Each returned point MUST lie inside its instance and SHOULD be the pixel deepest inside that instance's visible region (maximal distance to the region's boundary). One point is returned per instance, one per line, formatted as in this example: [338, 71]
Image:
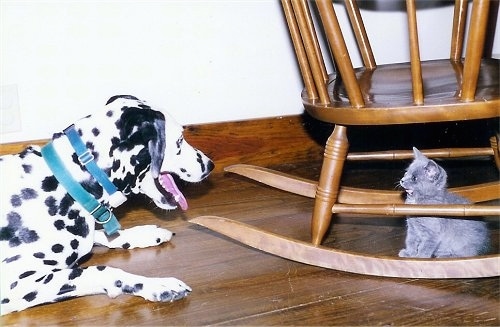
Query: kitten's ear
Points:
[417, 154]
[432, 170]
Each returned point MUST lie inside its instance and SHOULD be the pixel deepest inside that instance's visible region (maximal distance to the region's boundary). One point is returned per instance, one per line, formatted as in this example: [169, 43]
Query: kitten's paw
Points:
[404, 254]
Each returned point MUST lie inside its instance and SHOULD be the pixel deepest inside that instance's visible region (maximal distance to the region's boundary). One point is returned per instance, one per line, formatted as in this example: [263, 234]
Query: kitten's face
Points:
[423, 177]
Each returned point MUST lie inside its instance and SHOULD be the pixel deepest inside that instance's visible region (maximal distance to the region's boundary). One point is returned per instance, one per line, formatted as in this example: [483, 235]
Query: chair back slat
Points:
[475, 46]
[340, 53]
[360, 34]
[416, 67]
[300, 52]
[458, 31]
[310, 28]
[313, 51]
[307, 48]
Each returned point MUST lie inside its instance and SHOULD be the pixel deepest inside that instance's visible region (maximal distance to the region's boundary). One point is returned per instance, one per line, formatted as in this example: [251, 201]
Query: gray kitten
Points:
[431, 237]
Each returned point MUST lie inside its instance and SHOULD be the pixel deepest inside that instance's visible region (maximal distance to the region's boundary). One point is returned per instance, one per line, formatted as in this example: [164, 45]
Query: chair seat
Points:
[389, 99]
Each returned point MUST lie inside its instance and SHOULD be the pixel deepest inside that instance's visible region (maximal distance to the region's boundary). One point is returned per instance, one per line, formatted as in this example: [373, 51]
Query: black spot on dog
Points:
[66, 288]
[57, 135]
[25, 152]
[39, 255]
[51, 204]
[74, 244]
[15, 200]
[27, 168]
[93, 188]
[200, 161]
[11, 259]
[118, 283]
[14, 223]
[30, 296]
[15, 233]
[57, 248]
[125, 245]
[101, 268]
[109, 113]
[73, 214]
[27, 274]
[158, 240]
[66, 202]
[116, 165]
[28, 236]
[59, 224]
[75, 273]
[5, 301]
[13, 285]
[50, 262]
[80, 228]
[28, 194]
[48, 278]
[15, 241]
[71, 259]
[49, 184]
[95, 131]
[115, 141]
[128, 289]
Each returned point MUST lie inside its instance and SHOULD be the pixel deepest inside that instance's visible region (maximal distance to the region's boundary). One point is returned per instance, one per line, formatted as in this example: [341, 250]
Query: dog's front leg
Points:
[63, 284]
[135, 237]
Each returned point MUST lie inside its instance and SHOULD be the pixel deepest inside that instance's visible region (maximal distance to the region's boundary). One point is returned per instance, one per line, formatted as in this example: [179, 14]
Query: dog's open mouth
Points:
[167, 182]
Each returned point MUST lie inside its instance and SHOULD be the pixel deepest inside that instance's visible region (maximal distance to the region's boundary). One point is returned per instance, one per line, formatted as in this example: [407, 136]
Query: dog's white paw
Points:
[164, 289]
[135, 237]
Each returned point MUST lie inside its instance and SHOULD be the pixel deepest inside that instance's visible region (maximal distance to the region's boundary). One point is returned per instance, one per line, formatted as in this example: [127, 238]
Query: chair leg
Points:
[329, 183]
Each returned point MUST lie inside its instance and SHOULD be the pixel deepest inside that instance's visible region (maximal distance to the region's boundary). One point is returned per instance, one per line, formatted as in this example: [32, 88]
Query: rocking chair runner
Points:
[453, 89]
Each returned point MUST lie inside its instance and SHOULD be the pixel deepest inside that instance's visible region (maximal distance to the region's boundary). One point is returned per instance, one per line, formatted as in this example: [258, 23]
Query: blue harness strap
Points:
[87, 159]
[102, 214]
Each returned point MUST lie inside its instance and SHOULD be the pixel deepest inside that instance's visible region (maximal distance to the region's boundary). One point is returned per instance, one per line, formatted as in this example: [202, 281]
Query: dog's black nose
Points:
[210, 166]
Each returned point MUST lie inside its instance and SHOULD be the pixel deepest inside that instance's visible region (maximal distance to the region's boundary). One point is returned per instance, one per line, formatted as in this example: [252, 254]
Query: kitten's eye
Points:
[413, 178]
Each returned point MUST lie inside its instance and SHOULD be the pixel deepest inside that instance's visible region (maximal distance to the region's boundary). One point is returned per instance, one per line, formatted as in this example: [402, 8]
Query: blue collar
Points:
[101, 213]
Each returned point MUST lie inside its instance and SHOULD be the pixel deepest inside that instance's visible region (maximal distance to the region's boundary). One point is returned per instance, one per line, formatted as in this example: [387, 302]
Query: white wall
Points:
[204, 61]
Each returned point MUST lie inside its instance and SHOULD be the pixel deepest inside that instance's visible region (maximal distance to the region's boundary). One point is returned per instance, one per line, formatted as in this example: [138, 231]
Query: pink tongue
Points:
[168, 184]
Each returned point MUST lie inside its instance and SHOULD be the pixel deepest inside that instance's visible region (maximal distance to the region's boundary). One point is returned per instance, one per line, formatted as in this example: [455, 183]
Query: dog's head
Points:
[149, 150]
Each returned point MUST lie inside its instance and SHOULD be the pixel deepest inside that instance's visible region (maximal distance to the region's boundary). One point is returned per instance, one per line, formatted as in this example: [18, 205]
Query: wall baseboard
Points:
[264, 142]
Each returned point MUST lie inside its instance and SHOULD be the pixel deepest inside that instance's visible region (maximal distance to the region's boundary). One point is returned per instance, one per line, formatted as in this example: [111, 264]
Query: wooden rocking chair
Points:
[452, 89]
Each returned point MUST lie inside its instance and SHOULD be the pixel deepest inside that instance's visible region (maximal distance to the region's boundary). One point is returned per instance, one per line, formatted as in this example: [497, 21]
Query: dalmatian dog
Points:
[44, 231]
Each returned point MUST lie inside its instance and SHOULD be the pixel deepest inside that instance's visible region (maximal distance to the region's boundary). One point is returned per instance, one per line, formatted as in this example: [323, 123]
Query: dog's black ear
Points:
[157, 147]
[139, 126]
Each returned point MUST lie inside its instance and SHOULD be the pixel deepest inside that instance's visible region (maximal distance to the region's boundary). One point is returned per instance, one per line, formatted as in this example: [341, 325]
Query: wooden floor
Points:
[237, 285]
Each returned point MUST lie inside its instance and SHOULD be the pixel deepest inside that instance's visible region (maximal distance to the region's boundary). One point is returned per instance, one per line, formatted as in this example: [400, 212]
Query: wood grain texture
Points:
[265, 141]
